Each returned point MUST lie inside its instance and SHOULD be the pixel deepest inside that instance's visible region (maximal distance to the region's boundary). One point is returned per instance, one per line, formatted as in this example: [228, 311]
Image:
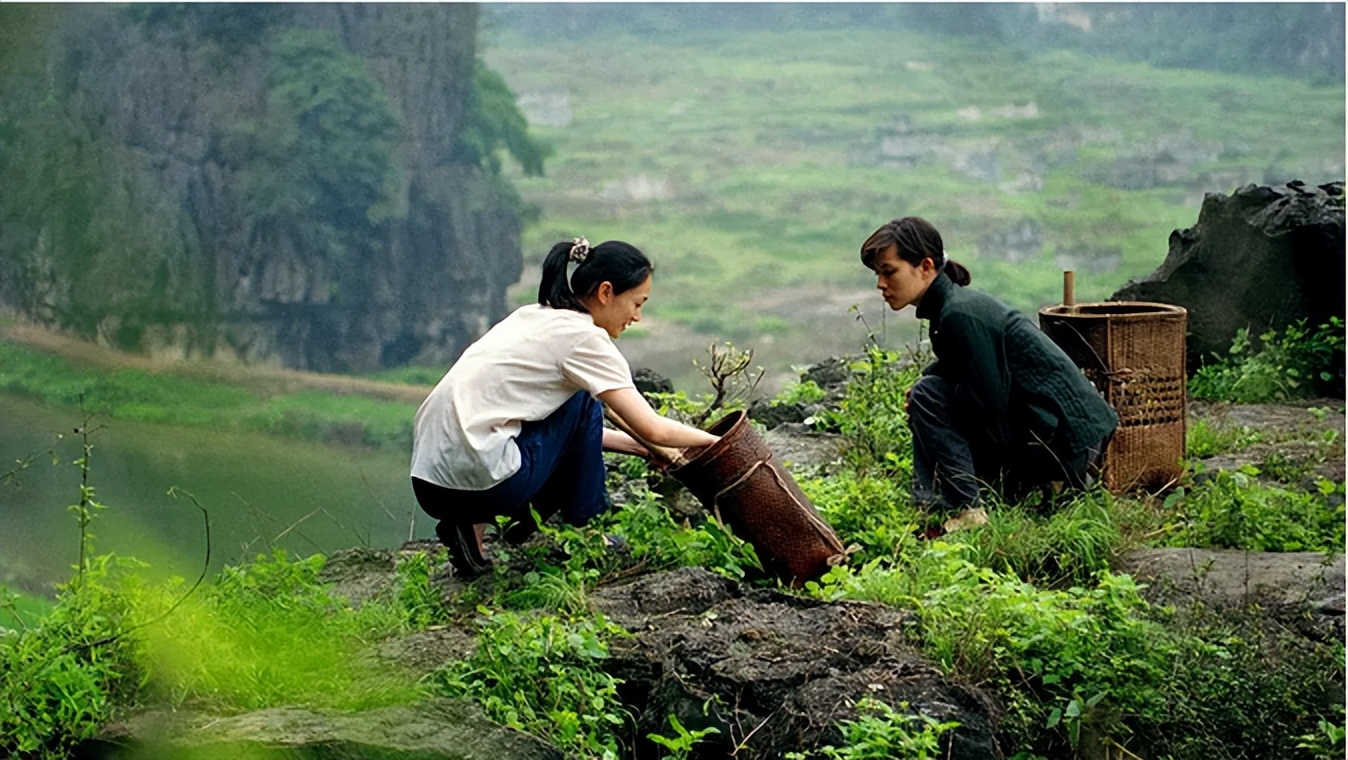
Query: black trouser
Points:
[561, 470]
[950, 463]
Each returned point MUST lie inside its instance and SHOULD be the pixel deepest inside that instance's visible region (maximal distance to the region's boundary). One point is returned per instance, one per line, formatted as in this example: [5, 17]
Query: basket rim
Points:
[729, 426]
[1115, 309]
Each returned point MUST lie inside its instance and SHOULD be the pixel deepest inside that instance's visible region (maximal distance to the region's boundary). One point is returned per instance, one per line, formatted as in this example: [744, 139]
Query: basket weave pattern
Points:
[1133, 352]
[738, 480]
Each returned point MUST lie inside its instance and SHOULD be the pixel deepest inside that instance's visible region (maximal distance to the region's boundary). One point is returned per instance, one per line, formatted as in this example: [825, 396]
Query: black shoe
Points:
[464, 553]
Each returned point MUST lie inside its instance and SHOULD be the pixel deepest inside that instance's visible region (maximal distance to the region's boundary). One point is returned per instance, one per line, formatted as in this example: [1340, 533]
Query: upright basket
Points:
[1133, 352]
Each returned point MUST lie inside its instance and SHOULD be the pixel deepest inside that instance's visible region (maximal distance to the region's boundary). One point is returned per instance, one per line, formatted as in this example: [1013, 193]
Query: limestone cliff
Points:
[280, 183]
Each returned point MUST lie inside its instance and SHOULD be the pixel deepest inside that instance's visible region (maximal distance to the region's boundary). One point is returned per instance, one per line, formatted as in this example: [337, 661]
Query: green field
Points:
[751, 165]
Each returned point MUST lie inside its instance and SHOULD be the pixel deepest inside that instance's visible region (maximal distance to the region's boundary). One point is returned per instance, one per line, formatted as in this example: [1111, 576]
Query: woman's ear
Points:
[604, 293]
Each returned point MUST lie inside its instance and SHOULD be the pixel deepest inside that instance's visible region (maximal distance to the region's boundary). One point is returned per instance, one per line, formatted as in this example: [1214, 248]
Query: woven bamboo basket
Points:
[738, 480]
[1133, 352]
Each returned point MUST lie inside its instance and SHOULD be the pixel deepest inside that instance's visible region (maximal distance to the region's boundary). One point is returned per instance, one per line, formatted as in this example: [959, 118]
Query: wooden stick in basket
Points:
[665, 454]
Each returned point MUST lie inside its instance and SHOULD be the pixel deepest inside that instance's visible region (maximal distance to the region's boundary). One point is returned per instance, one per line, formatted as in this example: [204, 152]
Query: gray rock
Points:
[1262, 258]
[771, 672]
[1228, 578]
[418, 285]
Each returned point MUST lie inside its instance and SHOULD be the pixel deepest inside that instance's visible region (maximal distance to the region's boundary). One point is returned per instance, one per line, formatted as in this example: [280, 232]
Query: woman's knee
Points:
[928, 398]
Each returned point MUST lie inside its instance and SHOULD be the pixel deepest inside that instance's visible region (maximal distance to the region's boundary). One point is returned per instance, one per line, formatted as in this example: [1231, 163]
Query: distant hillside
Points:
[311, 185]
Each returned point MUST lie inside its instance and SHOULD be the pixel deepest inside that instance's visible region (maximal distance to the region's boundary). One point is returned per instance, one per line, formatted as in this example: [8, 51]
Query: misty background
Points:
[365, 189]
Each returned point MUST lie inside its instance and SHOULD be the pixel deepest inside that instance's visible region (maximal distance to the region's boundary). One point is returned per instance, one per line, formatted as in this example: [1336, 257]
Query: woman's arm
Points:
[631, 406]
[622, 443]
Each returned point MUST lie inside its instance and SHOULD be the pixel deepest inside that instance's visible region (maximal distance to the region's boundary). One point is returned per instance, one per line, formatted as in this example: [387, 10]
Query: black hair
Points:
[916, 239]
[613, 261]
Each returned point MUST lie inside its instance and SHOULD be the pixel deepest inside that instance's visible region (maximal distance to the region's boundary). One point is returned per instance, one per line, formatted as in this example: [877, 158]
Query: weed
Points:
[1295, 363]
[60, 678]
[543, 674]
[872, 415]
[1203, 438]
[269, 633]
[1233, 510]
[681, 744]
[881, 731]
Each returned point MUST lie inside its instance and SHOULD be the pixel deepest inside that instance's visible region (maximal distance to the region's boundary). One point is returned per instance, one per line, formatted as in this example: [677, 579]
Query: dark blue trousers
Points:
[561, 470]
[950, 463]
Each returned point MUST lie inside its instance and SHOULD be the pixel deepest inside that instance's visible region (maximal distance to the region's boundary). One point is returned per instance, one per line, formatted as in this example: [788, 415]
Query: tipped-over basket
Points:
[738, 480]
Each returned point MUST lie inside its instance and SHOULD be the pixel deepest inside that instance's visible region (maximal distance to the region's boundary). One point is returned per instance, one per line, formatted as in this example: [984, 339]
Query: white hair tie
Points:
[580, 250]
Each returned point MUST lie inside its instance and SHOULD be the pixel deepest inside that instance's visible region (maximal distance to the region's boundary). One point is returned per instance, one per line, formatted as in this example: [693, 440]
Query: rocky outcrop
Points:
[325, 221]
[774, 673]
[1261, 258]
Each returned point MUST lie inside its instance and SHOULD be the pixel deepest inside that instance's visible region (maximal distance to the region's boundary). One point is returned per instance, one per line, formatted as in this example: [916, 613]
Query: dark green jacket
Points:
[1010, 381]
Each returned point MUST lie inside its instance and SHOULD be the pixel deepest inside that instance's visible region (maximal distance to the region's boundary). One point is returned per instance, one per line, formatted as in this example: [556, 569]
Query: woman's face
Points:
[615, 312]
[901, 283]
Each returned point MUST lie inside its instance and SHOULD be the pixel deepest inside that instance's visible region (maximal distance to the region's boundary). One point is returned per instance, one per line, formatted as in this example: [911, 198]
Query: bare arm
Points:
[617, 440]
[631, 406]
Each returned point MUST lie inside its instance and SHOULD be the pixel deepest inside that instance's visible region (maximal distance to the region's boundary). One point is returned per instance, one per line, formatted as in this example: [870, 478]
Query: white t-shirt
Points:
[523, 369]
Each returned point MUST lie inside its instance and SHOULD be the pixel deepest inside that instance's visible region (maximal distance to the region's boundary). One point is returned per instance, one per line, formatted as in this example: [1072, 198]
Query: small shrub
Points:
[61, 677]
[1233, 510]
[1296, 363]
[872, 414]
[543, 675]
[881, 732]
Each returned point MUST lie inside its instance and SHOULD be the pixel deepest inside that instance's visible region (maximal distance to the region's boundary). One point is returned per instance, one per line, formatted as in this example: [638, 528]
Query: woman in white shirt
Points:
[517, 421]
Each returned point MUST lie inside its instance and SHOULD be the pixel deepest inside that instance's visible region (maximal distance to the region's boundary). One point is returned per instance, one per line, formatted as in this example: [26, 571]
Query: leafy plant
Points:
[60, 678]
[800, 392]
[681, 744]
[1297, 362]
[872, 415]
[1327, 741]
[416, 595]
[873, 513]
[269, 633]
[1083, 655]
[881, 732]
[1234, 510]
[543, 674]
[1204, 438]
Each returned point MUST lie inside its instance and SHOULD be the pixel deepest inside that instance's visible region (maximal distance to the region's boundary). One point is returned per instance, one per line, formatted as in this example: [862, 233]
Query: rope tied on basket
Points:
[808, 512]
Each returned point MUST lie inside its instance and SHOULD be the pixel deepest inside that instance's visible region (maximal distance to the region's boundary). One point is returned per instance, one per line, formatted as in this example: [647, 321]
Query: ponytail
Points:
[957, 272]
[554, 287]
[615, 262]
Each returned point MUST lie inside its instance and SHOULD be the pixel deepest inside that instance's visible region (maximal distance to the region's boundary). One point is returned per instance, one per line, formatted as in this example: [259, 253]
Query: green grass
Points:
[767, 146]
[1024, 608]
[19, 610]
[164, 398]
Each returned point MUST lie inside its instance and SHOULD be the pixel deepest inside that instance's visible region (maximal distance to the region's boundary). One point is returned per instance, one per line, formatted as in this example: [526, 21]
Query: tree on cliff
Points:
[310, 183]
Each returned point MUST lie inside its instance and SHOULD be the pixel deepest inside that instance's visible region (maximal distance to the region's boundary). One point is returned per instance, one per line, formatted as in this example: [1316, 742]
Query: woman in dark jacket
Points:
[1001, 403]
